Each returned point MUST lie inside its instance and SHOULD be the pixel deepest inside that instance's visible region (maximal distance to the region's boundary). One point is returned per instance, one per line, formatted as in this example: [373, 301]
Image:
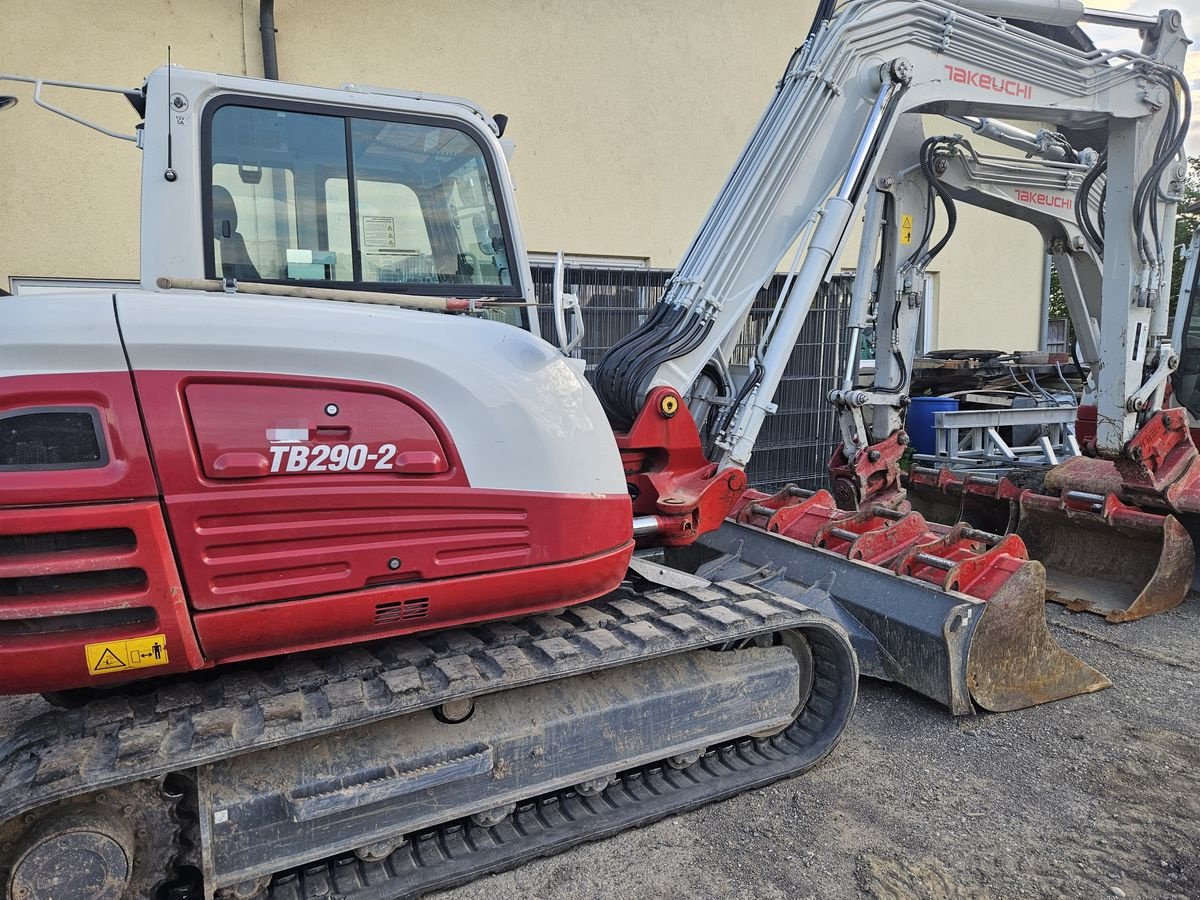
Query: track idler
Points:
[953, 612]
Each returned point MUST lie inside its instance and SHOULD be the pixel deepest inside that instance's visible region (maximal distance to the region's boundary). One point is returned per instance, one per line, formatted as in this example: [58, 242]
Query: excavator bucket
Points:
[936, 494]
[1100, 555]
[986, 501]
[1105, 557]
[952, 613]
[1013, 662]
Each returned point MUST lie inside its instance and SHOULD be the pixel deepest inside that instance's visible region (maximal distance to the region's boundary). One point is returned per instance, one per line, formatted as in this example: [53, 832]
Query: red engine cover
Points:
[84, 554]
[125, 474]
[302, 513]
[352, 497]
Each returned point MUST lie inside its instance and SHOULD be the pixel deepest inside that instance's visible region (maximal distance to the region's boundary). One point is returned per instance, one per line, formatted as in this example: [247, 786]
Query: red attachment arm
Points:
[1158, 469]
[1160, 459]
[669, 476]
[870, 477]
[967, 565]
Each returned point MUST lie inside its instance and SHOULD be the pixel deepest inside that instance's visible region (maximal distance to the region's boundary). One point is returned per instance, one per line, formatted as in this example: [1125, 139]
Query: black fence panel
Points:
[795, 443]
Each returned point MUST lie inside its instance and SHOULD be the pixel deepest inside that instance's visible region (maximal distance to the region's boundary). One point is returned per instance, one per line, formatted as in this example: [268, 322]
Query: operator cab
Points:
[354, 189]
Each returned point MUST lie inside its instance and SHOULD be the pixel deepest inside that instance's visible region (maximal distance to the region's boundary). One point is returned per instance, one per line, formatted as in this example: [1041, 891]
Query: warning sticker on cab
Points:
[906, 229]
[117, 656]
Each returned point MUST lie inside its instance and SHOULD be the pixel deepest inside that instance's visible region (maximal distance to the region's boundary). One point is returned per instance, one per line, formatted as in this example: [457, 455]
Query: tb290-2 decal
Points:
[297, 458]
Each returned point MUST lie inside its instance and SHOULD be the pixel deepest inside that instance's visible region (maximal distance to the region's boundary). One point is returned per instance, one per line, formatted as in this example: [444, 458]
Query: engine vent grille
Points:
[59, 541]
[71, 580]
[89, 621]
[389, 613]
[72, 583]
[51, 438]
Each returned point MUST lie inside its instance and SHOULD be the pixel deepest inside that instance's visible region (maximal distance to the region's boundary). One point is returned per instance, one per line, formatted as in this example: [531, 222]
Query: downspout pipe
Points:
[266, 27]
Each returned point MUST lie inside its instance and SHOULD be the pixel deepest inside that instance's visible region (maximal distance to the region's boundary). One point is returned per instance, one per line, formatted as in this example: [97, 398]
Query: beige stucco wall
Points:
[627, 117]
[69, 195]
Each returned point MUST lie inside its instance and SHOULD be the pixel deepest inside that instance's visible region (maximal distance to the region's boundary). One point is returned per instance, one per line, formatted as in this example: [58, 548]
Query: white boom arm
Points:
[812, 161]
[1042, 192]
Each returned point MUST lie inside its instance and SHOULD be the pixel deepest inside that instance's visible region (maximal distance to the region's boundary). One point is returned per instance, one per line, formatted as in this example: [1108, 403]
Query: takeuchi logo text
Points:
[1038, 198]
[988, 82]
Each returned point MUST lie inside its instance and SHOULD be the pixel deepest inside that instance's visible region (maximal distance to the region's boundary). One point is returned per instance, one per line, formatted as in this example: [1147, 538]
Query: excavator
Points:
[1108, 546]
[347, 583]
[1111, 541]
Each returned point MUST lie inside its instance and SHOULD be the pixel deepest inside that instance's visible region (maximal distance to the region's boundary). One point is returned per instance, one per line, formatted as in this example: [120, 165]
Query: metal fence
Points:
[795, 443]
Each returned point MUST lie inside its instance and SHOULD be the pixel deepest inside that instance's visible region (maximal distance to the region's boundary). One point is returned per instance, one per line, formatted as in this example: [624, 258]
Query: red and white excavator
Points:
[350, 584]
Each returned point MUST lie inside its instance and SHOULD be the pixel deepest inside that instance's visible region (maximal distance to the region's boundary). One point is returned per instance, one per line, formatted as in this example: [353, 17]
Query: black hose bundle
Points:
[1170, 144]
[624, 374]
[924, 254]
[1093, 232]
[825, 11]
[929, 152]
[1147, 197]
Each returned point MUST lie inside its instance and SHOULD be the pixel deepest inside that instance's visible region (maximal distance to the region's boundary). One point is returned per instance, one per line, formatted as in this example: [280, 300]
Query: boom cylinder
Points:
[826, 239]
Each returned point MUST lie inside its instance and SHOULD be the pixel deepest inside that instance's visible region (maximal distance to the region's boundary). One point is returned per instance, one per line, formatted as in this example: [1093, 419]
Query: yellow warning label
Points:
[906, 229]
[138, 653]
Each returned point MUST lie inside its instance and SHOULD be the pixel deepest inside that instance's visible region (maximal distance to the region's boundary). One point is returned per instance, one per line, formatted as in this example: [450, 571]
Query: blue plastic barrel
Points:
[919, 423]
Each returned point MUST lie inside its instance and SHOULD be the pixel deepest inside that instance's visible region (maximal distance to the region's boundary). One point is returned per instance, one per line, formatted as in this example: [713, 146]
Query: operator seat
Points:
[235, 258]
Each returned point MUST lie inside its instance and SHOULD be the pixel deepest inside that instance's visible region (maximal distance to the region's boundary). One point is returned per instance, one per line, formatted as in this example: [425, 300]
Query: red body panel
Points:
[277, 561]
[267, 629]
[40, 650]
[286, 536]
[227, 420]
[127, 474]
[281, 543]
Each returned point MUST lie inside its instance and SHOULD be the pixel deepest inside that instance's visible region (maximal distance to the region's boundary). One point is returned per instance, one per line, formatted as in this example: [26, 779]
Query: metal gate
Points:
[796, 442]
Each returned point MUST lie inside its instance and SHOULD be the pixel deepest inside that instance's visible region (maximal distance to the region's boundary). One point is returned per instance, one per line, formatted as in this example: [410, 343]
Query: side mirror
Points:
[568, 338]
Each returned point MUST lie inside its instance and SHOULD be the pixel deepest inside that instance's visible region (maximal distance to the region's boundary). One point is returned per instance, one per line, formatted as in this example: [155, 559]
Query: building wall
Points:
[627, 117]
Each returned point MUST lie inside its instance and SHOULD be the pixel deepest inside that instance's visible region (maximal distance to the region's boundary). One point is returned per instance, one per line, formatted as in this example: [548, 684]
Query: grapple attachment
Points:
[954, 613]
[1106, 557]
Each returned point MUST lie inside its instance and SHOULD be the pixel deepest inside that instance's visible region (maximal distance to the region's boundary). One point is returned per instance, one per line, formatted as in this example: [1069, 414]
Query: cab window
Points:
[271, 219]
[402, 205]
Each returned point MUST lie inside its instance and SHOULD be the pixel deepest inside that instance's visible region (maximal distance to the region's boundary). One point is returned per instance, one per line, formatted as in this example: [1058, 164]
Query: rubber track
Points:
[194, 721]
[459, 852]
